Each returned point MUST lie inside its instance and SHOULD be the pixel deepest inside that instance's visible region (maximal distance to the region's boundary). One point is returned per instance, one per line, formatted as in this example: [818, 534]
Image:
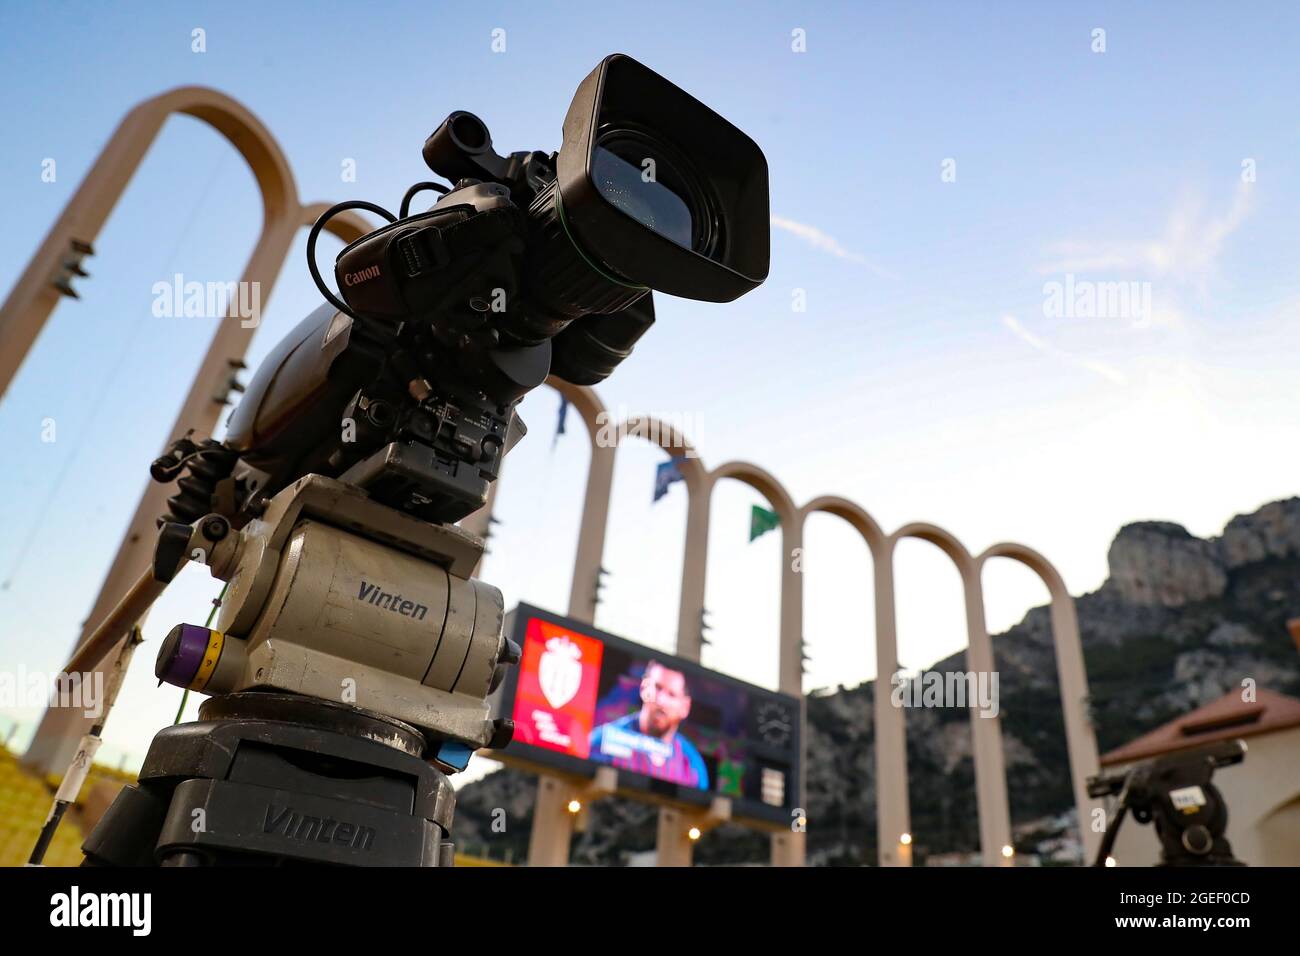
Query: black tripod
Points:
[266, 779]
[1175, 791]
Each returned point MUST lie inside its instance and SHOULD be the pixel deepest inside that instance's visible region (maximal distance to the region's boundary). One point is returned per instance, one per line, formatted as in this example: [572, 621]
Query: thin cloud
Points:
[1047, 348]
[1185, 255]
[828, 244]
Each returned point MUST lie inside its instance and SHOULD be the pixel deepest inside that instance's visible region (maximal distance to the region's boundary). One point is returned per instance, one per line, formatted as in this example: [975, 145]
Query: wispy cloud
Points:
[1182, 260]
[1047, 348]
[828, 244]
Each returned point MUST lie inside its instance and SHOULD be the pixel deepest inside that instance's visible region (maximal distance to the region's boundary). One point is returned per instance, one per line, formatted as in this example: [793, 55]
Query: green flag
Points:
[760, 521]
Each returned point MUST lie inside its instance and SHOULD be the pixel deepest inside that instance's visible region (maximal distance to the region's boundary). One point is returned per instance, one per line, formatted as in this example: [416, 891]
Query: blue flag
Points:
[559, 425]
[665, 474]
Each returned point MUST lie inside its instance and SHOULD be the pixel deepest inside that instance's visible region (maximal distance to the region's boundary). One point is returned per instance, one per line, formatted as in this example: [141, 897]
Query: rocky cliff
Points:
[1178, 622]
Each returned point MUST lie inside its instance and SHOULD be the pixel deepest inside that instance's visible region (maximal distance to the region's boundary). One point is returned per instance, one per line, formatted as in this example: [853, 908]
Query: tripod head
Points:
[1175, 791]
[385, 415]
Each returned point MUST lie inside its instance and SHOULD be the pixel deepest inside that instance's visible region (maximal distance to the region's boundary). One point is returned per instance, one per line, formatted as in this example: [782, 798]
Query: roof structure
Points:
[1221, 719]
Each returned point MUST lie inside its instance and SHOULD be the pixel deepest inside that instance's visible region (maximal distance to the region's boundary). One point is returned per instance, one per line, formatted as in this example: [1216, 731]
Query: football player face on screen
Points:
[665, 701]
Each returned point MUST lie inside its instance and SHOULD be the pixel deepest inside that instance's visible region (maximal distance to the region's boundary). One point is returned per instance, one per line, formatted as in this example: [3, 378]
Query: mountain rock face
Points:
[1178, 622]
[1155, 563]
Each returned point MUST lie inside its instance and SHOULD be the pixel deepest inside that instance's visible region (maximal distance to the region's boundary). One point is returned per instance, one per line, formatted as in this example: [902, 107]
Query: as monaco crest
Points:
[559, 672]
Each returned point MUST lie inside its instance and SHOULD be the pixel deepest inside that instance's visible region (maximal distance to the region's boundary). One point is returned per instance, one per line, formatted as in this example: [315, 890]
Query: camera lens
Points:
[646, 181]
[468, 131]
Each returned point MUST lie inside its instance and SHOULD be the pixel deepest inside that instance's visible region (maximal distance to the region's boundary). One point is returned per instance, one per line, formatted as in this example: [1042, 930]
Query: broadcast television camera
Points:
[353, 653]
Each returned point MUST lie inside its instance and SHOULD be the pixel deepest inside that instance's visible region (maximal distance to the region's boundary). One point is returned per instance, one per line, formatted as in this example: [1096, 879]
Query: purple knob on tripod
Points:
[181, 654]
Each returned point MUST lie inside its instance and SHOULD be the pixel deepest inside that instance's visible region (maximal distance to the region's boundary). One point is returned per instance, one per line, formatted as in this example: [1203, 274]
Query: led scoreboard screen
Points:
[581, 698]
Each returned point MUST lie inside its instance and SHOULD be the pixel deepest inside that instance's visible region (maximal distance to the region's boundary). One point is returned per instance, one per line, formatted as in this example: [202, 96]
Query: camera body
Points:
[532, 264]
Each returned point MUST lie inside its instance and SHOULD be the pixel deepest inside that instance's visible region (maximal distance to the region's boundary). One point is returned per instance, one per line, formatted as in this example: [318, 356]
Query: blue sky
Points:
[925, 379]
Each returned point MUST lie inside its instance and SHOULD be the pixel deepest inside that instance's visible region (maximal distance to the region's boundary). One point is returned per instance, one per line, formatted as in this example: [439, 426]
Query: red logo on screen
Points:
[558, 678]
[560, 671]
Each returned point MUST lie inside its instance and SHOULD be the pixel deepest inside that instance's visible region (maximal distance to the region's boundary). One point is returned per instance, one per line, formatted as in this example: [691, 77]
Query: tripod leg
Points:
[1112, 831]
[128, 832]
